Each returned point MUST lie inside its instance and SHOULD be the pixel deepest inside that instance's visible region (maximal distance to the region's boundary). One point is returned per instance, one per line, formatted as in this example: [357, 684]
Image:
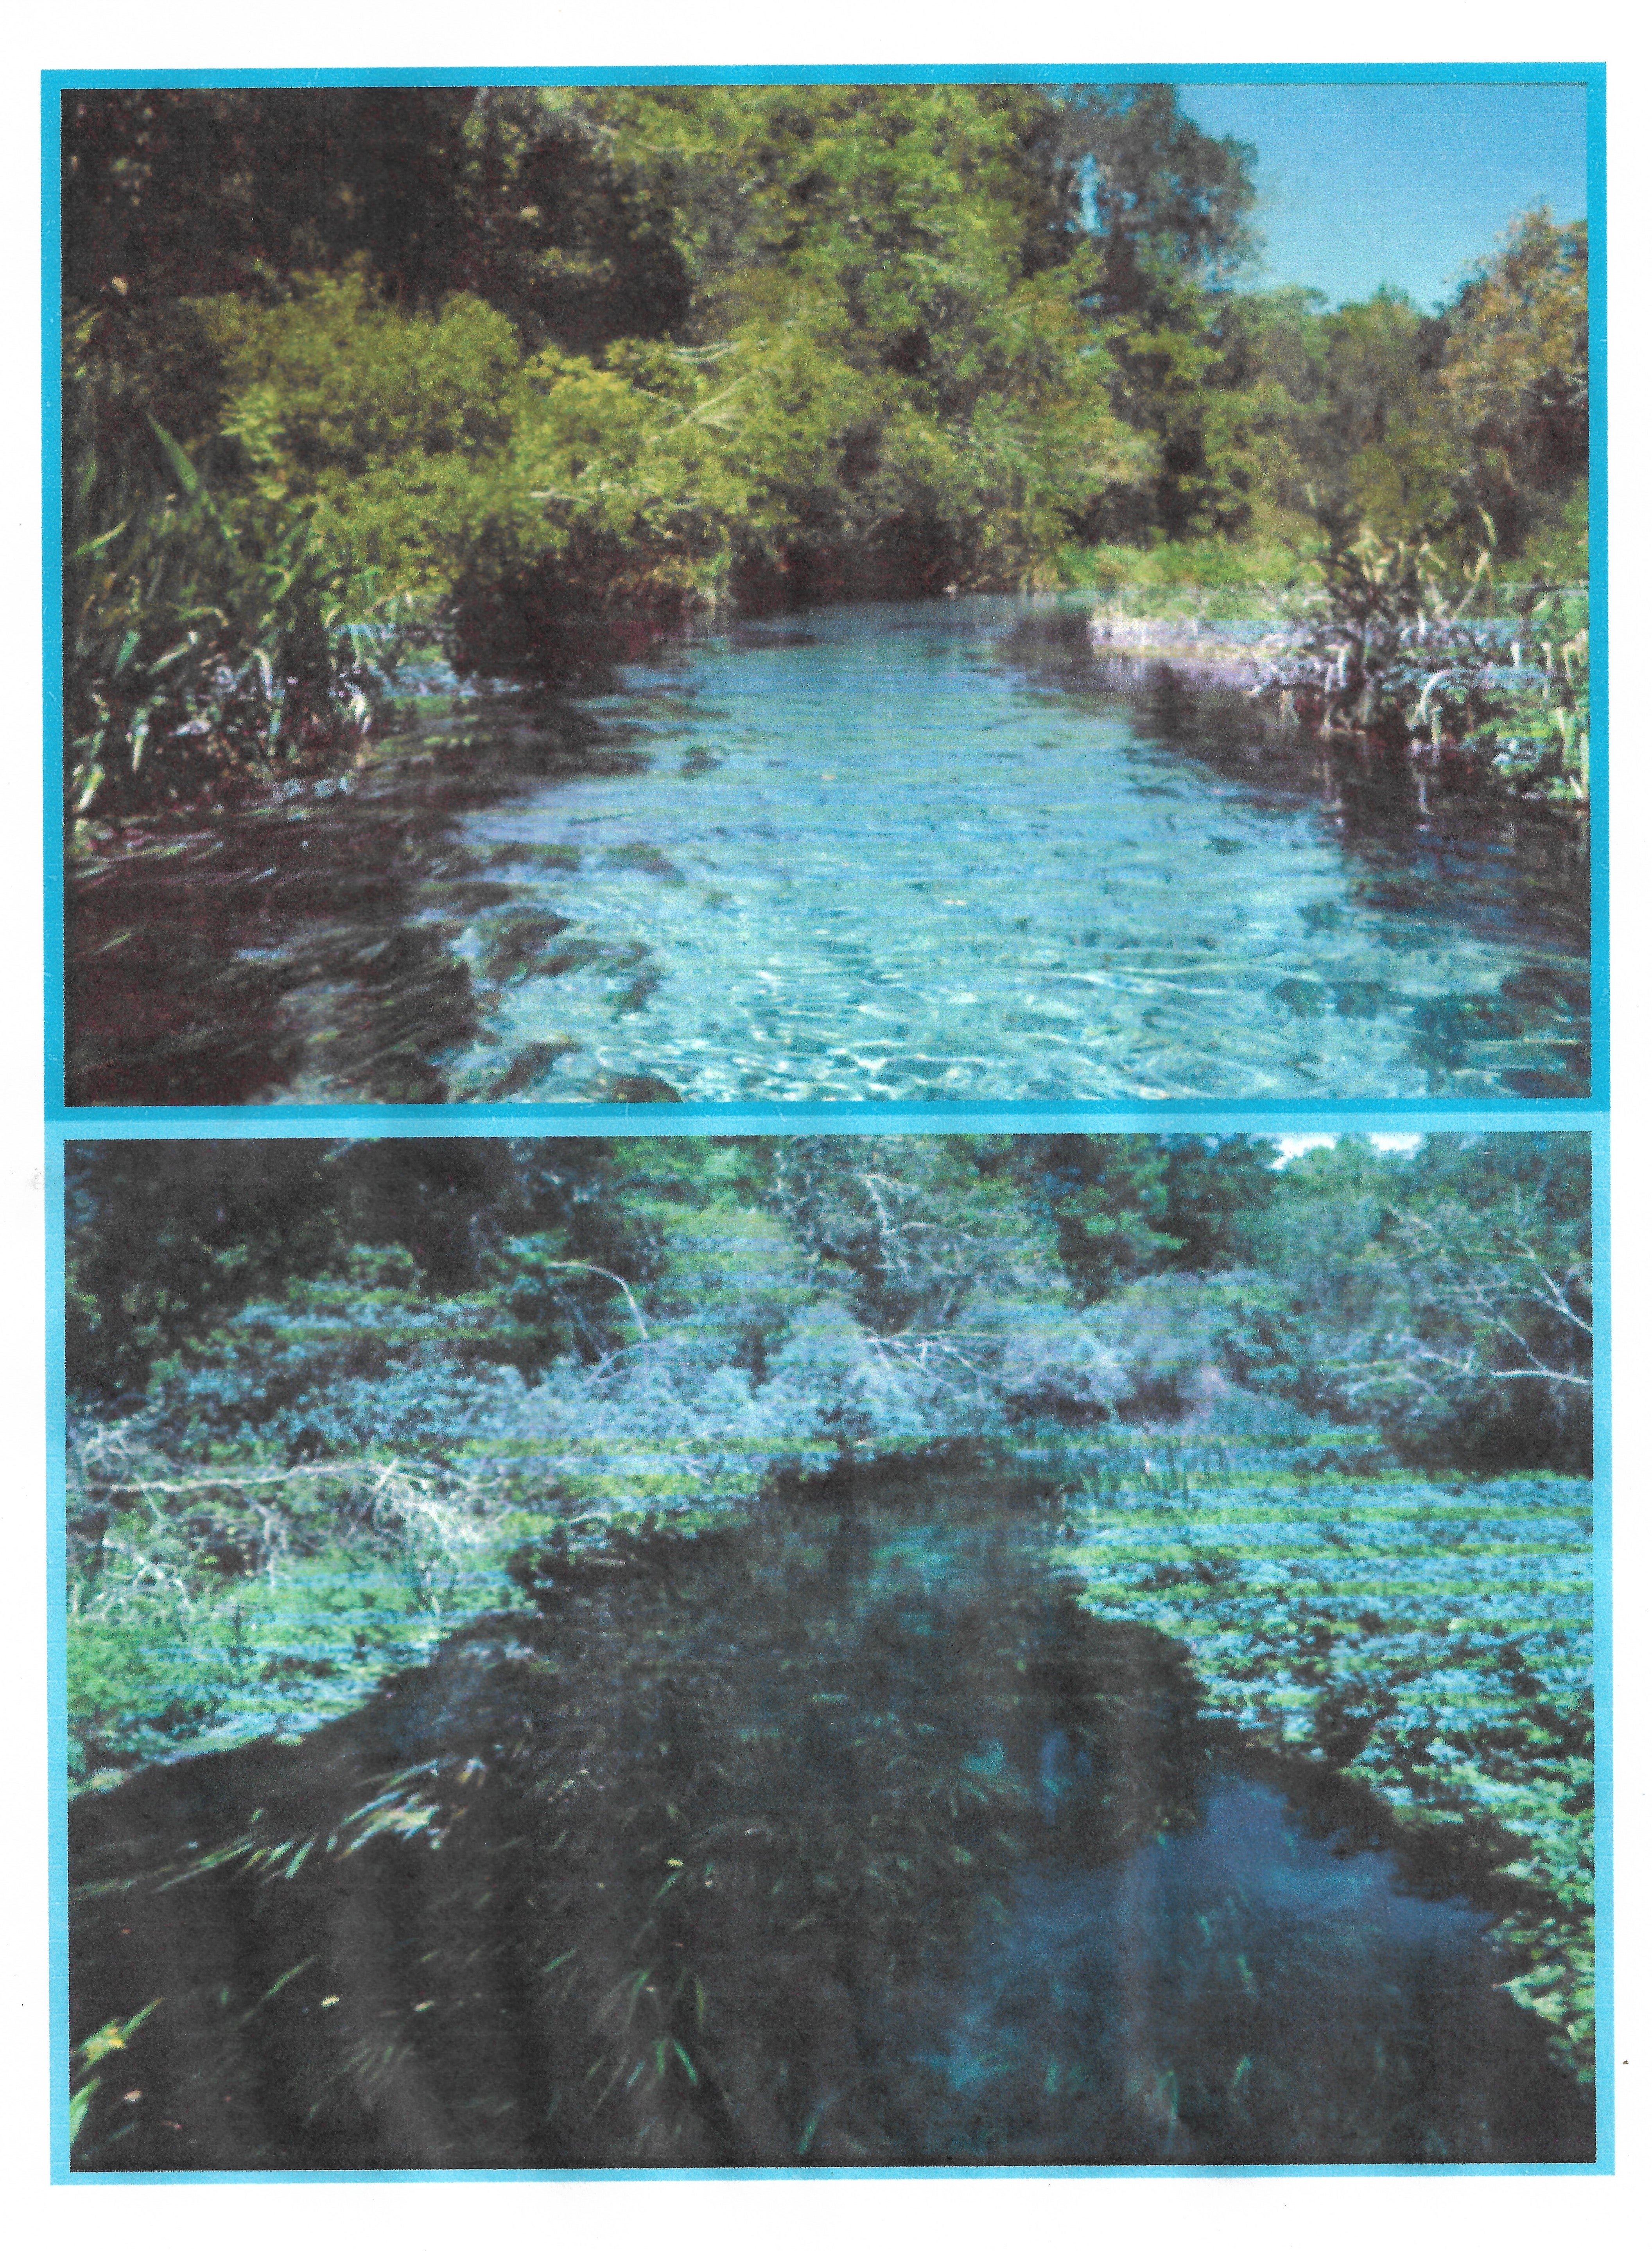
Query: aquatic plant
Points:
[1393, 652]
[640, 1879]
[200, 647]
[1429, 1638]
[252, 1594]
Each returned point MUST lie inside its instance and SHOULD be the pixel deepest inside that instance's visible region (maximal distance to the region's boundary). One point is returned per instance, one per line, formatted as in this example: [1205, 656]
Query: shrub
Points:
[197, 648]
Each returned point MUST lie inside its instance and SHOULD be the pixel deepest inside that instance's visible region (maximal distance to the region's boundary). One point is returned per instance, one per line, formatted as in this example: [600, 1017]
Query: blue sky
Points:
[1407, 184]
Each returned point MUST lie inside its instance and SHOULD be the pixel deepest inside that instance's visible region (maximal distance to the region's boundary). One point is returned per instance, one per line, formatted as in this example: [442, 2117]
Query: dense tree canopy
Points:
[1445, 1295]
[530, 358]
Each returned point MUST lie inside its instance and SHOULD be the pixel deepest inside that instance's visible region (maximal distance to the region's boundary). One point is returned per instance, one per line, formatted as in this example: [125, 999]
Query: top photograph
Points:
[836, 592]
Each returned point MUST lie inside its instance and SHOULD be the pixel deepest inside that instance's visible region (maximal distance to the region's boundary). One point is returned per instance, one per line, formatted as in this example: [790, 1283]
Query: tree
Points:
[1107, 1197]
[1517, 372]
[914, 1232]
[1166, 209]
[1449, 1293]
[1170, 205]
[1212, 1186]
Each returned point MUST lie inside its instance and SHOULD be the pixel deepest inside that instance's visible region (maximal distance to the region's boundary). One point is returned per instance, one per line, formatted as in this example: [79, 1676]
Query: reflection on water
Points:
[1241, 1993]
[931, 851]
[846, 1836]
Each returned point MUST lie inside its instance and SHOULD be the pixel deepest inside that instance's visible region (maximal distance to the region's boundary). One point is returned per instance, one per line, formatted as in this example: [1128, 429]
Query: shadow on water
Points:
[921, 851]
[303, 944]
[841, 1836]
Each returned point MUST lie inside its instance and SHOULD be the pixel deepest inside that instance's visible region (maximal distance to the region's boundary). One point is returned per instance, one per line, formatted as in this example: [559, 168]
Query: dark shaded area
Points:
[190, 192]
[1266, 1987]
[170, 1239]
[631, 1882]
[818, 1838]
[543, 624]
[308, 934]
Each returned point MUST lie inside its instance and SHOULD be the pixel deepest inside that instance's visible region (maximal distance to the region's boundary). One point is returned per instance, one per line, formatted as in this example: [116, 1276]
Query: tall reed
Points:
[1402, 649]
[201, 643]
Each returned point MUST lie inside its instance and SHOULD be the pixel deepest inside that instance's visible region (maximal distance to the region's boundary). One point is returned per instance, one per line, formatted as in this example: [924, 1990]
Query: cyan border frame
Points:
[168, 1122]
[177, 1127]
[784, 1116]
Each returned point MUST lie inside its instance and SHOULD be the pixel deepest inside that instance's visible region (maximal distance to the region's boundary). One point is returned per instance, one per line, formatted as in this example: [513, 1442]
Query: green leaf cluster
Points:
[542, 361]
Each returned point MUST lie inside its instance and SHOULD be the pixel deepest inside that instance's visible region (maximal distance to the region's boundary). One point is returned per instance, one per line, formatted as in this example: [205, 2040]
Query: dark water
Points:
[917, 852]
[1257, 1989]
[846, 1838]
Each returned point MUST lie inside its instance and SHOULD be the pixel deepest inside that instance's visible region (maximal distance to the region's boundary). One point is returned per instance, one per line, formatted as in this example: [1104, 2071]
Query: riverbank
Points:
[1422, 1638]
[1504, 701]
[615, 1776]
[1494, 706]
[849, 856]
[1426, 1636]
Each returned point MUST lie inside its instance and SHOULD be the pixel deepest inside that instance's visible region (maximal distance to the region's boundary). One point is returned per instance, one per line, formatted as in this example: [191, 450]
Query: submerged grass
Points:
[641, 1877]
[720, 1799]
[815, 1836]
[1428, 1637]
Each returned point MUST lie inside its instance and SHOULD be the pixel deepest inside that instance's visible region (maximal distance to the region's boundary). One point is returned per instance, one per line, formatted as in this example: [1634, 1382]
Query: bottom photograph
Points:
[878, 1650]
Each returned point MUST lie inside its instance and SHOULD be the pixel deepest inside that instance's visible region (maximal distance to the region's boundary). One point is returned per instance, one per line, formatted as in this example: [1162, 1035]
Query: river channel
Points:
[844, 1837]
[933, 851]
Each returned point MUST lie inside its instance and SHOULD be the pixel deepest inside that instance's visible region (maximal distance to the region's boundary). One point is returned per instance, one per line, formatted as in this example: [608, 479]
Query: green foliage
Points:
[169, 1240]
[1108, 1200]
[705, 1865]
[193, 193]
[1397, 649]
[917, 1235]
[1516, 373]
[393, 427]
[1446, 1294]
[1215, 577]
[545, 361]
[225, 1602]
[371, 1374]
[108, 2039]
[129, 1697]
[1373, 448]
[1375, 419]
[1445, 462]
[1429, 1639]
[1450, 1298]
[198, 648]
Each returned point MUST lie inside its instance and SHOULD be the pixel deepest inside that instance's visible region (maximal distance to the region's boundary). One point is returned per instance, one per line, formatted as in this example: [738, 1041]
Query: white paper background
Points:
[706, 2214]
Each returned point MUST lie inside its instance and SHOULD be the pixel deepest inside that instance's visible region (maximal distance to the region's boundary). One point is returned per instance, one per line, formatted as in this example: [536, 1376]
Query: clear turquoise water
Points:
[895, 852]
[880, 857]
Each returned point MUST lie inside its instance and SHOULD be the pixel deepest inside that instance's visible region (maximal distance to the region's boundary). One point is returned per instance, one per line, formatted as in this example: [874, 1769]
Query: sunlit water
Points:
[932, 851]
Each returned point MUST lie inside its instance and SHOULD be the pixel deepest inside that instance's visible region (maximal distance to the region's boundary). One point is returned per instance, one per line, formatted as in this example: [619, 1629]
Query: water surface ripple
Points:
[896, 852]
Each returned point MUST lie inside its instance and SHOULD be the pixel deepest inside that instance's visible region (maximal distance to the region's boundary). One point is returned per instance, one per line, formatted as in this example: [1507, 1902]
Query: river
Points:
[929, 852]
[845, 1836]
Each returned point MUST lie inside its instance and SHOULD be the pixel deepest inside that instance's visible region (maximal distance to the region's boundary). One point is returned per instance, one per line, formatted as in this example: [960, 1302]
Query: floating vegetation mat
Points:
[847, 1834]
[1431, 1638]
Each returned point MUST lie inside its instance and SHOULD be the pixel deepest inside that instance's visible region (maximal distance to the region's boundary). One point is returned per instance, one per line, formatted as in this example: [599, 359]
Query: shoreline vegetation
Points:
[613, 1796]
[533, 372]
[1325, 1425]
